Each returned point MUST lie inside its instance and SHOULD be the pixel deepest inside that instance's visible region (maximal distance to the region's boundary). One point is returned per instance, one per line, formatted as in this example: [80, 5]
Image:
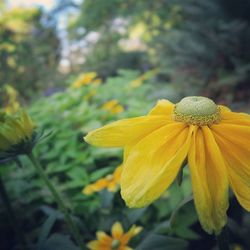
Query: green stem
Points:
[222, 240]
[12, 217]
[58, 199]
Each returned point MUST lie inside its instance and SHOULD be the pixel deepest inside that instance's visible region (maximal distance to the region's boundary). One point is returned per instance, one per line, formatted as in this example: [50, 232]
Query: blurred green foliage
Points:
[201, 47]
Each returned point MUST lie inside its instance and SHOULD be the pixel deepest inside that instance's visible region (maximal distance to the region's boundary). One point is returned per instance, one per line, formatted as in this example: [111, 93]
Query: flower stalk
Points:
[71, 225]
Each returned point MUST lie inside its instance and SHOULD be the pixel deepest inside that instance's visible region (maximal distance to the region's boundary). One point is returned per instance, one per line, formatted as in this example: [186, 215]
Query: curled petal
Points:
[163, 107]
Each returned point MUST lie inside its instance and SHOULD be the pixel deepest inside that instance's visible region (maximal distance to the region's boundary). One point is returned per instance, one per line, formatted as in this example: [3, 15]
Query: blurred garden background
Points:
[76, 65]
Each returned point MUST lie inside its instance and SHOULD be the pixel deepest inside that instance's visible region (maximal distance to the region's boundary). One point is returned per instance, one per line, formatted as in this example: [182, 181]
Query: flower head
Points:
[213, 139]
[15, 133]
[111, 182]
[117, 241]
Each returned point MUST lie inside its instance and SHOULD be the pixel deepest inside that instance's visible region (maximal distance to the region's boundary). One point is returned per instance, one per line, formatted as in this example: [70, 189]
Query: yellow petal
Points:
[120, 133]
[234, 118]
[237, 160]
[27, 124]
[100, 184]
[88, 190]
[224, 109]
[103, 238]
[117, 230]
[240, 188]
[237, 134]
[117, 173]
[163, 107]
[197, 166]
[238, 157]
[112, 187]
[96, 187]
[153, 164]
[217, 180]
[134, 230]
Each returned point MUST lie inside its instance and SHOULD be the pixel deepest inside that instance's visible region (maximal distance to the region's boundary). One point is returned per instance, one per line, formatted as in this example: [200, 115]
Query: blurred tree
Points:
[112, 21]
[208, 51]
[28, 50]
[200, 46]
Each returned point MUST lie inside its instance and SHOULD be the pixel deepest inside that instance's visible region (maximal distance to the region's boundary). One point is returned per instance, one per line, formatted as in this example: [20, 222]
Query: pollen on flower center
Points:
[197, 110]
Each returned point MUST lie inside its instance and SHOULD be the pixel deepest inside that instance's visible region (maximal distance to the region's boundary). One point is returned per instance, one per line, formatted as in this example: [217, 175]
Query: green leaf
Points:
[134, 215]
[46, 228]
[160, 242]
[59, 242]
[106, 198]
[100, 173]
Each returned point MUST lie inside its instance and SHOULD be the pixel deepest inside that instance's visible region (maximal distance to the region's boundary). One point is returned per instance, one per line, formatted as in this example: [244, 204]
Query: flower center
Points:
[115, 244]
[197, 110]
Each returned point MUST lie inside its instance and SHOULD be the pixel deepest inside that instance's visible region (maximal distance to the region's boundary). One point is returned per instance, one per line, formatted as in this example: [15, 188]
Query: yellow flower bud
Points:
[15, 130]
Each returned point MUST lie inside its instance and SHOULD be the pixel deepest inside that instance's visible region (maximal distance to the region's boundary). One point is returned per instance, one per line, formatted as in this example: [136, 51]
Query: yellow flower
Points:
[14, 130]
[86, 79]
[111, 182]
[117, 241]
[213, 139]
[113, 107]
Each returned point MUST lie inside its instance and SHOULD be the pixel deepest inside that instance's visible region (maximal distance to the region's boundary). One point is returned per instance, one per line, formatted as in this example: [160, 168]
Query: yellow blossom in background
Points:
[110, 182]
[136, 83]
[14, 129]
[117, 241]
[213, 139]
[86, 79]
[113, 107]
[11, 104]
